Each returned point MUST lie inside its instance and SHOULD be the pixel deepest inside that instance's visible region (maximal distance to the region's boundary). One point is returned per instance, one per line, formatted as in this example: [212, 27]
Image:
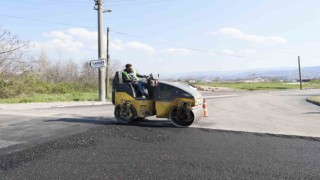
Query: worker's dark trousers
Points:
[140, 86]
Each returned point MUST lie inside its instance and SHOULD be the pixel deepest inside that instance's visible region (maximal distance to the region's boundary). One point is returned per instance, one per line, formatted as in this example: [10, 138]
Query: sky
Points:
[173, 36]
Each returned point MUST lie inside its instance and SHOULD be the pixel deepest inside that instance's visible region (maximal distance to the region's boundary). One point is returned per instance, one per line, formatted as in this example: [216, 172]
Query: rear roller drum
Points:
[125, 114]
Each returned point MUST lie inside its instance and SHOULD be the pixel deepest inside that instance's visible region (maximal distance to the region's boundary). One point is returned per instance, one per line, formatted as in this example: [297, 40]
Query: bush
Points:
[316, 81]
[29, 84]
[6, 90]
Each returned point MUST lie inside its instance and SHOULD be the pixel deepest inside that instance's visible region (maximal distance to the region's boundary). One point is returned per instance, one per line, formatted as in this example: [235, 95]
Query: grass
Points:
[90, 95]
[28, 87]
[76, 96]
[314, 98]
[263, 85]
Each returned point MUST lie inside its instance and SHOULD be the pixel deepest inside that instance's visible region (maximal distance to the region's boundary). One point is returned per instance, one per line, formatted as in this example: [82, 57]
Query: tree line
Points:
[22, 74]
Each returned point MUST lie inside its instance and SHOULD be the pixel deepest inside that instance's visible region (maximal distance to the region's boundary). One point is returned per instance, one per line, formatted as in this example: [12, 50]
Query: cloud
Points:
[176, 51]
[83, 43]
[58, 35]
[141, 47]
[118, 45]
[248, 52]
[71, 40]
[83, 34]
[228, 52]
[60, 43]
[238, 34]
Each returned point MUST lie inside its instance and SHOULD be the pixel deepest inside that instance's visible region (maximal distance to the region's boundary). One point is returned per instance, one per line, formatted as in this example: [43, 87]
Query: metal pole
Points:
[102, 82]
[108, 61]
[300, 73]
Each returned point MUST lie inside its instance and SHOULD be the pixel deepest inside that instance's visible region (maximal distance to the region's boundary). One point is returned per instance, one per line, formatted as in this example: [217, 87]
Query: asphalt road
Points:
[265, 135]
[148, 152]
[272, 112]
[22, 128]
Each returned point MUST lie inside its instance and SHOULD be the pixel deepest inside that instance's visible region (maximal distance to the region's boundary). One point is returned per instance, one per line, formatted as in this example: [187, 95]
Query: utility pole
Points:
[108, 61]
[102, 82]
[300, 73]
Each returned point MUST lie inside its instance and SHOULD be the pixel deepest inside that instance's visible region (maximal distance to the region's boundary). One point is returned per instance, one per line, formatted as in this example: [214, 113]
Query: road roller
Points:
[178, 102]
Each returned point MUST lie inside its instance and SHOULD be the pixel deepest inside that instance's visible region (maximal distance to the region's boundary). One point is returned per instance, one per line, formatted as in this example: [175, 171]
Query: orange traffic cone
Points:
[205, 109]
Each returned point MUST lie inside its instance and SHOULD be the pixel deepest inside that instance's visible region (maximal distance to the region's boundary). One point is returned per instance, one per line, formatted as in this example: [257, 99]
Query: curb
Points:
[313, 102]
[22, 106]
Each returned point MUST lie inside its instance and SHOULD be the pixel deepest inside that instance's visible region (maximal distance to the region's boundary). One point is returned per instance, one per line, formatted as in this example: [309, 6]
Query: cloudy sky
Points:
[174, 35]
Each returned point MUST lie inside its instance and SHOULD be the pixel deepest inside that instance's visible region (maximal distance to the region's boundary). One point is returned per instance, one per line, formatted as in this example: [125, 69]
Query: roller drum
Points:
[181, 119]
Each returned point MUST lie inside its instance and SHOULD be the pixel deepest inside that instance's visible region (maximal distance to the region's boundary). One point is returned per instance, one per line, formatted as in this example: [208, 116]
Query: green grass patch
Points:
[75, 96]
[263, 85]
[29, 85]
[314, 98]
[26, 88]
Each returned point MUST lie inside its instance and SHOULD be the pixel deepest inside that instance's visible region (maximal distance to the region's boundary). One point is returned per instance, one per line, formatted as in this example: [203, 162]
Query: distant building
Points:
[256, 79]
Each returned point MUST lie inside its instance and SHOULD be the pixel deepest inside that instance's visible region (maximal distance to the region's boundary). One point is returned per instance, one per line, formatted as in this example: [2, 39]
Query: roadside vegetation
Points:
[275, 85]
[25, 88]
[30, 87]
[314, 99]
[25, 77]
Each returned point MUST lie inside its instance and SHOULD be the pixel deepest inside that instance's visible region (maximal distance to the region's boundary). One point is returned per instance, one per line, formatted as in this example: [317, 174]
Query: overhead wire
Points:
[51, 3]
[183, 47]
[124, 3]
[46, 21]
[44, 1]
[124, 34]
[114, 3]
[139, 37]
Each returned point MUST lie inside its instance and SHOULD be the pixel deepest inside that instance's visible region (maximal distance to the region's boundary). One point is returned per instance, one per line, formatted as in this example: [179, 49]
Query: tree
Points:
[114, 66]
[71, 71]
[41, 66]
[11, 51]
[89, 75]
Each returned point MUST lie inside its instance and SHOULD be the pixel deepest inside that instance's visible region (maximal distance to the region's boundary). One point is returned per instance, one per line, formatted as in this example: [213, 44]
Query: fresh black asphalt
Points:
[150, 151]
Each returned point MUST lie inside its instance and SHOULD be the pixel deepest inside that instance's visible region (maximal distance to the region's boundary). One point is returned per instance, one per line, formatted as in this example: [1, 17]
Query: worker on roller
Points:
[130, 75]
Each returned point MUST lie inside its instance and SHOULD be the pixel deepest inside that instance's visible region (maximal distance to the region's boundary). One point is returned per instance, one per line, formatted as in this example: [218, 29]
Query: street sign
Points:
[98, 63]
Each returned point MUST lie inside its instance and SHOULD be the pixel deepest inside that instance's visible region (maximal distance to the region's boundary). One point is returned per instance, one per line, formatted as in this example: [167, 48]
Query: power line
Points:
[45, 21]
[125, 3]
[135, 36]
[48, 2]
[183, 47]
[125, 34]
[194, 49]
[137, 1]
[114, 3]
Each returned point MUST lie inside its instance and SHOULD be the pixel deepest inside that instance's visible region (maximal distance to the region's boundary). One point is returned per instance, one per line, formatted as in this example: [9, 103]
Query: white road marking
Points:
[220, 96]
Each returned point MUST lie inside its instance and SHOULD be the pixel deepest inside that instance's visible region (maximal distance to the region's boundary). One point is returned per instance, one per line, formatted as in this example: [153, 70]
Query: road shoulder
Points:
[46, 105]
[314, 100]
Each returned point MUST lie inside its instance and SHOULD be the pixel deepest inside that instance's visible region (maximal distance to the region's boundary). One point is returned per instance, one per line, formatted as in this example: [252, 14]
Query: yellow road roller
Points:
[178, 102]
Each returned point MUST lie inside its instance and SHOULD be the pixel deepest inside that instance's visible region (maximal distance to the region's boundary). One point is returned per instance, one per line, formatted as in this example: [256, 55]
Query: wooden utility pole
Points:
[300, 73]
[108, 61]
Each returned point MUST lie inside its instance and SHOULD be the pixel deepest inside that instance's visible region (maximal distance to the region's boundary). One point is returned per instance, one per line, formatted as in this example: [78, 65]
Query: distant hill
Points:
[280, 73]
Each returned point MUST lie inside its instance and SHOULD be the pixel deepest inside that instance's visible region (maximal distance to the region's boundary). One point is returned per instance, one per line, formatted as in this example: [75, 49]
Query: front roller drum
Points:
[181, 118]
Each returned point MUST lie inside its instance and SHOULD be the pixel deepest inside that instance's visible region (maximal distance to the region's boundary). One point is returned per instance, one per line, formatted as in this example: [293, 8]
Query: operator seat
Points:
[119, 86]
